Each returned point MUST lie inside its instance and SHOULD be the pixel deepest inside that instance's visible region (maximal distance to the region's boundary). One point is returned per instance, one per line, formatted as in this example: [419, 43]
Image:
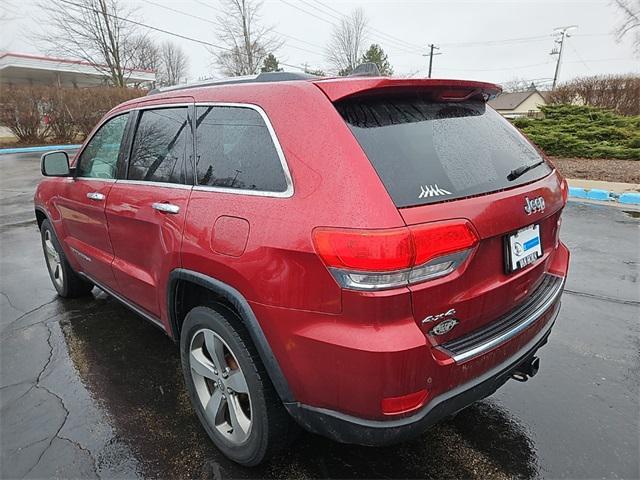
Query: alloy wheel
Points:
[54, 263]
[221, 386]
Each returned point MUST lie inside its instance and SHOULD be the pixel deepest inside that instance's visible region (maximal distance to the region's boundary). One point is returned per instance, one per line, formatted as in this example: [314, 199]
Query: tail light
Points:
[564, 188]
[380, 259]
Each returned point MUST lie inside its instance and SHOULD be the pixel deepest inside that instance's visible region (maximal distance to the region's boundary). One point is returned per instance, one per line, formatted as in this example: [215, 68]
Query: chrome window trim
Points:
[94, 179]
[287, 193]
[509, 334]
[182, 186]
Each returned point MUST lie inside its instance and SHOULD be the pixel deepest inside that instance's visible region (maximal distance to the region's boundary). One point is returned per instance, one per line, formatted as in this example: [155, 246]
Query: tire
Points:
[65, 280]
[214, 393]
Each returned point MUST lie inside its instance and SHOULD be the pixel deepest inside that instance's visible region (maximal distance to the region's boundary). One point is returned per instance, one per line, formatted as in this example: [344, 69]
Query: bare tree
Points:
[173, 64]
[246, 43]
[615, 92]
[346, 46]
[96, 31]
[146, 53]
[517, 84]
[630, 10]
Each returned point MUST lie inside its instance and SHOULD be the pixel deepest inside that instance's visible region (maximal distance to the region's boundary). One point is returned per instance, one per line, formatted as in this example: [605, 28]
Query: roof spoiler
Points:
[444, 90]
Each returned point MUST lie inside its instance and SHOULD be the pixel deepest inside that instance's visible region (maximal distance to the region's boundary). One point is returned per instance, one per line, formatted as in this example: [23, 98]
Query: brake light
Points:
[432, 240]
[369, 250]
[378, 259]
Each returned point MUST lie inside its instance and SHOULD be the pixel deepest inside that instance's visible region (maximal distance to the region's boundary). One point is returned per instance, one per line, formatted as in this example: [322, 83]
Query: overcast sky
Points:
[484, 40]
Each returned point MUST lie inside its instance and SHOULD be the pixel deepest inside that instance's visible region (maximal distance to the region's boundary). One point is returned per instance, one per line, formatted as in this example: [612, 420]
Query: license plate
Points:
[523, 248]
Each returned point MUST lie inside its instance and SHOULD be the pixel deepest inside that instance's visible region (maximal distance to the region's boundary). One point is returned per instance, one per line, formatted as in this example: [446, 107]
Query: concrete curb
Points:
[627, 198]
[44, 148]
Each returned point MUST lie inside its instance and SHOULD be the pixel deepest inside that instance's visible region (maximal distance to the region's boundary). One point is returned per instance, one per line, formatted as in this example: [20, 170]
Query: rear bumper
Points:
[350, 429]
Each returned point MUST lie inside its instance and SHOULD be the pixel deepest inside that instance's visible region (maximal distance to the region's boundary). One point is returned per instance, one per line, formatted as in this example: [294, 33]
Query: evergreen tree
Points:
[270, 64]
[376, 55]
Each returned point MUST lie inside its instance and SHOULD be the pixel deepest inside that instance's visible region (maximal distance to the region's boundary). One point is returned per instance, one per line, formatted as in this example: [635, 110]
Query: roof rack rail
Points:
[261, 77]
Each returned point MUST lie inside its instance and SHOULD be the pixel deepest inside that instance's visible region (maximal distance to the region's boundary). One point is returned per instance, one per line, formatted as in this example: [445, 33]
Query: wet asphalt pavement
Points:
[88, 389]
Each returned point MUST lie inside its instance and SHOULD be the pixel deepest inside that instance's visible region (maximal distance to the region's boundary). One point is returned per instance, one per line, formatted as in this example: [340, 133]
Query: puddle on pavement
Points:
[133, 370]
[632, 213]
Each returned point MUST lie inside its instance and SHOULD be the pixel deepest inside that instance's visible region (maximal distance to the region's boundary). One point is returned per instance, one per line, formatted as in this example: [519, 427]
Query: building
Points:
[519, 104]
[24, 68]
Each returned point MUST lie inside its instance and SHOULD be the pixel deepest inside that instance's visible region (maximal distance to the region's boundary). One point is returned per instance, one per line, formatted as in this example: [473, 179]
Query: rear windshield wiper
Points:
[518, 172]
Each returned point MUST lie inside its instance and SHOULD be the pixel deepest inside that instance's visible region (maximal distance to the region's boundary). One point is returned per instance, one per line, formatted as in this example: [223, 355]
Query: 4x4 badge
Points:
[439, 316]
[432, 191]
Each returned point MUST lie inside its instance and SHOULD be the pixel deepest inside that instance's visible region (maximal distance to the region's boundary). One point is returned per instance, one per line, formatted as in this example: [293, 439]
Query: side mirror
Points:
[55, 164]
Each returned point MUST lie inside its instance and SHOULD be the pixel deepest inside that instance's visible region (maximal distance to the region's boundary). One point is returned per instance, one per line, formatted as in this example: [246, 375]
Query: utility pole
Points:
[432, 47]
[561, 34]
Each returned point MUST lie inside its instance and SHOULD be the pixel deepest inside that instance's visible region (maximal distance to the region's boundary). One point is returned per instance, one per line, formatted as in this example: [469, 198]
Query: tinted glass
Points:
[235, 150]
[100, 157]
[158, 153]
[427, 152]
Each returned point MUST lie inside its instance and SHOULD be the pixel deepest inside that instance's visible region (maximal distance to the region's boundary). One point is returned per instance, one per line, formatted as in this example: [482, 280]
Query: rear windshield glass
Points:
[427, 152]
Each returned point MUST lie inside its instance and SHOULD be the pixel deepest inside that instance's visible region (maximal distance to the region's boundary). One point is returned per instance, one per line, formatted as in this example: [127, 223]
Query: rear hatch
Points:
[443, 154]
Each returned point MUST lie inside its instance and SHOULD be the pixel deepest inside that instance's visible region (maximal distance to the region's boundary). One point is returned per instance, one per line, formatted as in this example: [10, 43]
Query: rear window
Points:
[427, 152]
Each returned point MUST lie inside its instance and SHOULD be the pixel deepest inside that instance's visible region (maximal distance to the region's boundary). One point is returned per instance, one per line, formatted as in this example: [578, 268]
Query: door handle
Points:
[166, 207]
[97, 196]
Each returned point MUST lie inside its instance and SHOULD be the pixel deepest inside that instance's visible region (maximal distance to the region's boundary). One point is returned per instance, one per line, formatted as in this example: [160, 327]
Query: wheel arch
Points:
[182, 278]
[41, 216]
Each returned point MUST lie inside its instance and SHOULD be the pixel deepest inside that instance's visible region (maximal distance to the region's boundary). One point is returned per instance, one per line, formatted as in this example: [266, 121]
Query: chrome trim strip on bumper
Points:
[509, 334]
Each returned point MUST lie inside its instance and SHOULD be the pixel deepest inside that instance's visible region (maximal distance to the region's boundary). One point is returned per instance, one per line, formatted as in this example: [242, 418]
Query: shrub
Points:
[89, 105]
[35, 114]
[584, 131]
[619, 93]
[23, 111]
[61, 122]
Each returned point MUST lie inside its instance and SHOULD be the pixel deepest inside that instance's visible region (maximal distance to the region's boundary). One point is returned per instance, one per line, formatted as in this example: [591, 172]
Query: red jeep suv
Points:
[362, 255]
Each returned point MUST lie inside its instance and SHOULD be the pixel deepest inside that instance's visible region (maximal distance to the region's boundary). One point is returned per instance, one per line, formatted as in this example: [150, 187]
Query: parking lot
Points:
[89, 389]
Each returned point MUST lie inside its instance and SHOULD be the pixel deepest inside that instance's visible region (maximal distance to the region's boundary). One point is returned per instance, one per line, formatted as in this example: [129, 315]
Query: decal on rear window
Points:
[432, 191]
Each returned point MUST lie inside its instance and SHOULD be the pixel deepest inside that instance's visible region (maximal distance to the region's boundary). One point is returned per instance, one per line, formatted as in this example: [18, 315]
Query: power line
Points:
[204, 4]
[503, 41]
[391, 38]
[157, 29]
[521, 67]
[333, 17]
[144, 25]
[150, 2]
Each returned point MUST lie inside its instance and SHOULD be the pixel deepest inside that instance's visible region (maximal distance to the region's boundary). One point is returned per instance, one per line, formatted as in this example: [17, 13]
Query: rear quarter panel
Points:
[334, 185]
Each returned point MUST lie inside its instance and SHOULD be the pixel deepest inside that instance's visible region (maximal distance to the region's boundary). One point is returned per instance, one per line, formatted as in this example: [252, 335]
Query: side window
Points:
[158, 153]
[99, 159]
[235, 150]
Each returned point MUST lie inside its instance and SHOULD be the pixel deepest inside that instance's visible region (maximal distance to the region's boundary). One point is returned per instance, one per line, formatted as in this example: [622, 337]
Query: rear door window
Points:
[427, 152]
[159, 146]
[235, 150]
